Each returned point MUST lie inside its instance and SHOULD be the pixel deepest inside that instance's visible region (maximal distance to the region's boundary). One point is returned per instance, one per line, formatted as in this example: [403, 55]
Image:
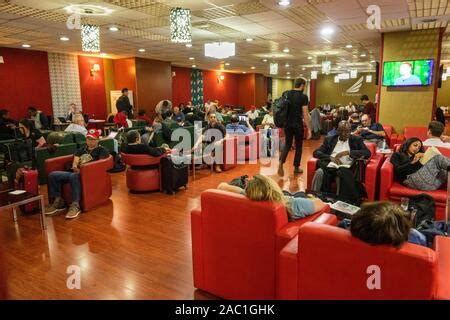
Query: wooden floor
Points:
[134, 247]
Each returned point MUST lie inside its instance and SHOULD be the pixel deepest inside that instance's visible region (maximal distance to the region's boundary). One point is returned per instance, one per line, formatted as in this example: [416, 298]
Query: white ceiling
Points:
[145, 24]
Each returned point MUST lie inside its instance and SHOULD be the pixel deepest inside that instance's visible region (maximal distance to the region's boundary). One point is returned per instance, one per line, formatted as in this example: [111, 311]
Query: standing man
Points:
[297, 113]
[369, 107]
[123, 104]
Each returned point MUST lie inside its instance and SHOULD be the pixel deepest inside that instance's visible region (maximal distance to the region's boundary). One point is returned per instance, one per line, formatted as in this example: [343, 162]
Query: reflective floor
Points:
[136, 246]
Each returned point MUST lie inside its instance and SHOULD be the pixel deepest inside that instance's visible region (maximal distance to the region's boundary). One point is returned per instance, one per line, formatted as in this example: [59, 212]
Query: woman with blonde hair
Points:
[262, 188]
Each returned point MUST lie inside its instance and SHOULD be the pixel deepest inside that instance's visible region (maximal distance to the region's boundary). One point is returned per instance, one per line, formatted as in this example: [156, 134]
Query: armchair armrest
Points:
[287, 277]
[56, 164]
[197, 248]
[372, 169]
[442, 249]
[386, 178]
[310, 170]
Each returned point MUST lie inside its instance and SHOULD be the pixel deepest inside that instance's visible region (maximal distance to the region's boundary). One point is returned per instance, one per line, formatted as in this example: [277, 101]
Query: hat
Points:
[93, 133]
[253, 108]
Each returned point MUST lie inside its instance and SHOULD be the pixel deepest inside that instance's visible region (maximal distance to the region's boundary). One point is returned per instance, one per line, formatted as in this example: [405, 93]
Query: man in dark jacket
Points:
[123, 104]
[135, 146]
[40, 119]
[336, 157]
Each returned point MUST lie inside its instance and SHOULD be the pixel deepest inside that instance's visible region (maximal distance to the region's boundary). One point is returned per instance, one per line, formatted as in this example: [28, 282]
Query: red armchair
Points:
[96, 186]
[236, 242]
[371, 176]
[326, 262]
[410, 132]
[143, 172]
[393, 191]
[389, 130]
[247, 146]
[229, 155]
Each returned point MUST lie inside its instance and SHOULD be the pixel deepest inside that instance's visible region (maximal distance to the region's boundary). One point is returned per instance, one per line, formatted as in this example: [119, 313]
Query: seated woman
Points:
[409, 171]
[77, 125]
[262, 188]
[383, 223]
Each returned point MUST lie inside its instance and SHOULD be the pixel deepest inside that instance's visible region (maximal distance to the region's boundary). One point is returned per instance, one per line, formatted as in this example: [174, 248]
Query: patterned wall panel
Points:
[197, 87]
[64, 82]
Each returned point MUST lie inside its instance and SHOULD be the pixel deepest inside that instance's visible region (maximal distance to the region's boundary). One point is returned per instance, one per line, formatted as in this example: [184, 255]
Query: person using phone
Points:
[236, 128]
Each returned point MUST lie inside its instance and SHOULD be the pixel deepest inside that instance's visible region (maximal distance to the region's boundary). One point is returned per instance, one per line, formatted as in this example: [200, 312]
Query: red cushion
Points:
[398, 190]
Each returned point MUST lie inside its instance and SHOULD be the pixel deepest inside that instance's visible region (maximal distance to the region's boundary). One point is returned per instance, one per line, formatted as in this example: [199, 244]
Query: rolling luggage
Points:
[174, 174]
[27, 179]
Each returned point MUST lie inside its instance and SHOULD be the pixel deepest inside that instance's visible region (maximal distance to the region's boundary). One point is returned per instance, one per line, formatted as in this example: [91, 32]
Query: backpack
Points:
[425, 206]
[280, 110]
[240, 182]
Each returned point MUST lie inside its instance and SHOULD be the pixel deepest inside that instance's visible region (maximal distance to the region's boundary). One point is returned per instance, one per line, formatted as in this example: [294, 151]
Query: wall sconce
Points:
[220, 77]
[94, 69]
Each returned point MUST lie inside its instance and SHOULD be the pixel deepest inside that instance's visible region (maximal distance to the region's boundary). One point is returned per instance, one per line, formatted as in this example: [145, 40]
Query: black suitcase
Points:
[174, 175]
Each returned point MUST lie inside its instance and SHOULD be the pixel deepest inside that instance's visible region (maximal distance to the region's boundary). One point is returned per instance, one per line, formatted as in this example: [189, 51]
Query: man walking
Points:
[297, 114]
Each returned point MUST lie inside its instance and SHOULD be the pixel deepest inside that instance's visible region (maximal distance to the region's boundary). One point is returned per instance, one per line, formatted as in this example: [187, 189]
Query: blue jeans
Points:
[57, 179]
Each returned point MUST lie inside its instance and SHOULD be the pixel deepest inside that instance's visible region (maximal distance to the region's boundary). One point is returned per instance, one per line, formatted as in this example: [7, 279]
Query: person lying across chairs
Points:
[409, 170]
[56, 179]
[336, 156]
[262, 188]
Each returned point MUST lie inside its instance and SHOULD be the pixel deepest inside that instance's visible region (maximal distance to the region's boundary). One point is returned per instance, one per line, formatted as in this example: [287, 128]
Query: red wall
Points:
[260, 90]
[25, 81]
[125, 75]
[246, 91]
[181, 85]
[93, 98]
[226, 91]
[312, 93]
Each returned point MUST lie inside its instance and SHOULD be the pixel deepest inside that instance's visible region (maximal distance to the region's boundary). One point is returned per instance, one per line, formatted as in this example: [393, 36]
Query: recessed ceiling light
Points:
[141, 50]
[188, 45]
[303, 69]
[64, 38]
[289, 77]
[288, 73]
[249, 39]
[284, 2]
[287, 65]
[327, 31]
[25, 45]
[301, 74]
[194, 66]
[286, 50]
[113, 29]
[227, 64]
[103, 54]
[309, 58]
[244, 72]
[191, 58]
[253, 68]
[373, 61]
[349, 46]
[363, 55]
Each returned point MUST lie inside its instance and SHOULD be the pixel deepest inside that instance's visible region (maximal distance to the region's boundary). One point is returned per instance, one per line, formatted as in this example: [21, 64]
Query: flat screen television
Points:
[408, 73]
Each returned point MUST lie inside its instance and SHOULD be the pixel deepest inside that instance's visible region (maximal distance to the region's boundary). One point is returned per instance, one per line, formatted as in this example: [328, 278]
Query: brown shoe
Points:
[297, 170]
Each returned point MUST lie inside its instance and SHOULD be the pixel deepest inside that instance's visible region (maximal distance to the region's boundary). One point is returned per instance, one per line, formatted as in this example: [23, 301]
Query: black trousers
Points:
[290, 134]
[348, 190]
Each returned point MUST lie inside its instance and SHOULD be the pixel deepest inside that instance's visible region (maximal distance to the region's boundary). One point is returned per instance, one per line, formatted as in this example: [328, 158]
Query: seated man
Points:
[142, 115]
[235, 127]
[354, 120]
[435, 131]
[77, 125]
[177, 115]
[7, 126]
[336, 156]
[371, 131]
[121, 120]
[252, 114]
[208, 137]
[135, 146]
[91, 152]
[40, 119]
